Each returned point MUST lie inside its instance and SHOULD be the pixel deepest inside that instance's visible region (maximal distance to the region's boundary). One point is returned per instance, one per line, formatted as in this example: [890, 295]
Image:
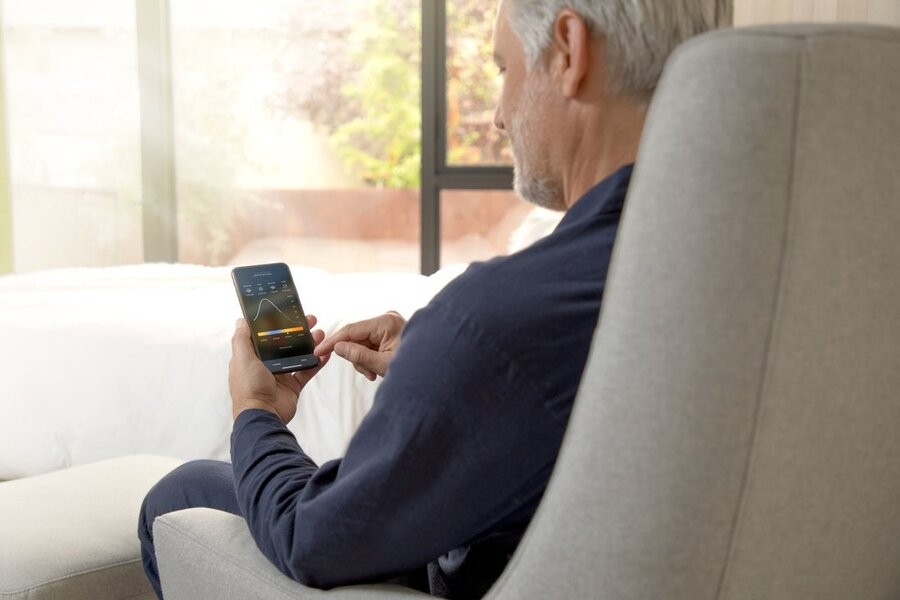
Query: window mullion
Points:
[432, 38]
[157, 131]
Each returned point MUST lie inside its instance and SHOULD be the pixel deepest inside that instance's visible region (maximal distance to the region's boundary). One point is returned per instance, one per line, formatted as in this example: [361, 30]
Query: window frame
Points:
[159, 198]
[437, 174]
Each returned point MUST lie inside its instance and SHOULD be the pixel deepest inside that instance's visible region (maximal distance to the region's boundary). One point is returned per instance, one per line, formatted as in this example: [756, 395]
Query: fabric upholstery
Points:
[71, 534]
[735, 434]
[205, 553]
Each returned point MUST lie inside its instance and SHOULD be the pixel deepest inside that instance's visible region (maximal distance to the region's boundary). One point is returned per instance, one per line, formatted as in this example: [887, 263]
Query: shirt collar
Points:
[607, 196]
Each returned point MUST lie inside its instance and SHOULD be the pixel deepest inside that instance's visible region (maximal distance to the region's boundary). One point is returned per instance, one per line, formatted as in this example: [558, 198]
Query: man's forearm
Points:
[270, 472]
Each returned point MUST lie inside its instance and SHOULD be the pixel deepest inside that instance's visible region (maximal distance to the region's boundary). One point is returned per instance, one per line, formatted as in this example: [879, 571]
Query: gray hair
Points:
[640, 34]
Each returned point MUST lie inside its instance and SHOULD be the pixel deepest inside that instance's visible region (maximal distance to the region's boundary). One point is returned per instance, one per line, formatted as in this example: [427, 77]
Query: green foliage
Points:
[381, 142]
[473, 85]
[365, 91]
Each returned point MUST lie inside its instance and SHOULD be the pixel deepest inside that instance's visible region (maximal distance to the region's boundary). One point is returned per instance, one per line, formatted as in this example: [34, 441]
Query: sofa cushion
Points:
[73, 533]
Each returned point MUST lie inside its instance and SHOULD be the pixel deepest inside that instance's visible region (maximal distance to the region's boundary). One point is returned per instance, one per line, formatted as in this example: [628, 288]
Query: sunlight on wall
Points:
[751, 12]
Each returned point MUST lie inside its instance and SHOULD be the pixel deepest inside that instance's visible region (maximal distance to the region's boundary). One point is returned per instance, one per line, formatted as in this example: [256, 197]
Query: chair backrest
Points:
[737, 431]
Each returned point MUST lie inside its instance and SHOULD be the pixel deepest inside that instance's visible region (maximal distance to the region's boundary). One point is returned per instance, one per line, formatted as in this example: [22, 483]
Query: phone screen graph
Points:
[275, 317]
[290, 325]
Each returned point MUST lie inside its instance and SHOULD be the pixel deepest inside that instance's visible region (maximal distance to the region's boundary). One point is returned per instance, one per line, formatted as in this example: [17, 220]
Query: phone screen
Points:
[278, 326]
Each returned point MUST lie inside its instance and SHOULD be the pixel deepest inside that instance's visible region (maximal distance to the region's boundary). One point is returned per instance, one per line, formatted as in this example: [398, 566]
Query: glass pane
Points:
[74, 132]
[473, 86]
[297, 132]
[482, 224]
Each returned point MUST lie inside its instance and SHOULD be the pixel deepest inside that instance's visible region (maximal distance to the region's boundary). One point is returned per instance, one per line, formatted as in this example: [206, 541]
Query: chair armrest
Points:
[209, 554]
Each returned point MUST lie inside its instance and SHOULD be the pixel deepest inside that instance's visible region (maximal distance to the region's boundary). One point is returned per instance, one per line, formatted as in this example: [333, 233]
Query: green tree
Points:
[381, 142]
[365, 92]
[472, 85]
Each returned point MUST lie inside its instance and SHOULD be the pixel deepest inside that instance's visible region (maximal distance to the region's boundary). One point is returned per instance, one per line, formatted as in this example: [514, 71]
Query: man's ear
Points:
[572, 42]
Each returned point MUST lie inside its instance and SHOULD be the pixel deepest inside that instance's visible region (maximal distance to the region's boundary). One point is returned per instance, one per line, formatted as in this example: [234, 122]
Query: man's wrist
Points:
[238, 408]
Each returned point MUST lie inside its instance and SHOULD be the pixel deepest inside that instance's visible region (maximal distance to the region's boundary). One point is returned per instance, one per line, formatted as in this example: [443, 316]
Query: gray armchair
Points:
[737, 431]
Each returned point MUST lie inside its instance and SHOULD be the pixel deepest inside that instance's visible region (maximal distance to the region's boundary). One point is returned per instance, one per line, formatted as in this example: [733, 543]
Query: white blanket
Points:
[96, 363]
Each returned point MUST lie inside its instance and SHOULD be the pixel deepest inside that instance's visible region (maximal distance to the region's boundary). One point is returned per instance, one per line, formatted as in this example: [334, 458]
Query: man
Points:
[444, 474]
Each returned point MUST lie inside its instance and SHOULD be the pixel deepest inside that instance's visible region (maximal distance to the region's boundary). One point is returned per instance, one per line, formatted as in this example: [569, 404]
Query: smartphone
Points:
[280, 333]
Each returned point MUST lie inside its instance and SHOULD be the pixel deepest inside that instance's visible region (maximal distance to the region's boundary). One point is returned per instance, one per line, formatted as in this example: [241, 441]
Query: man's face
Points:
[523, 113]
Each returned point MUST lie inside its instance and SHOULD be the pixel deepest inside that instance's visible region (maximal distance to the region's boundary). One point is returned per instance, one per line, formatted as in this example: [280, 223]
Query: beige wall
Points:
[751, 12]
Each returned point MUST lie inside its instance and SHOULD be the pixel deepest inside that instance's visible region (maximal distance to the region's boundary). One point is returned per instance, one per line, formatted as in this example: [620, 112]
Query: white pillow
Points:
[538, 223]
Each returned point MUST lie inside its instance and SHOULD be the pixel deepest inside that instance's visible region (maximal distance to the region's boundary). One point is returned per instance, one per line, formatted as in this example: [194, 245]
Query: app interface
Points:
[274, 314]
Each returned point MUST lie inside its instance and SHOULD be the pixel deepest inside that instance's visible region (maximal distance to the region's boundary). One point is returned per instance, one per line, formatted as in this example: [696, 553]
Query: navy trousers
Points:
[199, 483]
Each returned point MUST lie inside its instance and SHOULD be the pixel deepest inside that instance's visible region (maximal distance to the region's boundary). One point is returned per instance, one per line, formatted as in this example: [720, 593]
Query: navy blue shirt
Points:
[445, 472]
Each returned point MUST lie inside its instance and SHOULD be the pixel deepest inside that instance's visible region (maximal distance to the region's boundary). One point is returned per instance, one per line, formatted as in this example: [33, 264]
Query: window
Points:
[225, 131]
[222, 132]
[478, 224]
[70, 83]
[462, 155]
[473, 86]
[296, 132]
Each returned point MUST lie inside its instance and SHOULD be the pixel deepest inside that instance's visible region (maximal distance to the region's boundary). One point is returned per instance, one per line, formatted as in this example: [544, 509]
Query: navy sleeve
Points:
[458, 441]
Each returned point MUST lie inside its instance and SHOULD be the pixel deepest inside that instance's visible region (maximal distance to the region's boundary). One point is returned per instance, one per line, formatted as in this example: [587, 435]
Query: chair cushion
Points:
[73, 533]
[206, 554]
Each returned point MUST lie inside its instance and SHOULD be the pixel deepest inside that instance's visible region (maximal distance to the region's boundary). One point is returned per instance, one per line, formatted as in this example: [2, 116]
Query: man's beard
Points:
[530, 157]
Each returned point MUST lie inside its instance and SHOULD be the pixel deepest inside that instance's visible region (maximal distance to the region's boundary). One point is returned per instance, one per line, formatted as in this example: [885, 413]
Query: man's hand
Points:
[252, 385]
[369, 345]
